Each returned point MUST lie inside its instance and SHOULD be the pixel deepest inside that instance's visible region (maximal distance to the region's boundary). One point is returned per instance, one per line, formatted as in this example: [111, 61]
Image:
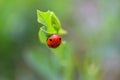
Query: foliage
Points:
[64, 52]
[51, 25]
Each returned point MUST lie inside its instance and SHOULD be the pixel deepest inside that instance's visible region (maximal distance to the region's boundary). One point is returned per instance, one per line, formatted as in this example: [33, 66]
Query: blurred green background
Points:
[93, 33]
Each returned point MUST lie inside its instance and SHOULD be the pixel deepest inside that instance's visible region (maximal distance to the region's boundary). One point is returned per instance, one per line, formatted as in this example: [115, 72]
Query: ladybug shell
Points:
[54, 41]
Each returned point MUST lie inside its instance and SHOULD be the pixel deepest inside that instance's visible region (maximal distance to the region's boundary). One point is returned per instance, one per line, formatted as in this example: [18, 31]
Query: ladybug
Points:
[54, 41]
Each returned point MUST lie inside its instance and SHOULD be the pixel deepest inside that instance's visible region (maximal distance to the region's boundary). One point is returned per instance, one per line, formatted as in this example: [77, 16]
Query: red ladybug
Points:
[54, 41]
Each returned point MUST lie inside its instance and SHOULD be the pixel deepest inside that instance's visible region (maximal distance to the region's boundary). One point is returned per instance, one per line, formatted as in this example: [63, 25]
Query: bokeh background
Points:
[93, 30]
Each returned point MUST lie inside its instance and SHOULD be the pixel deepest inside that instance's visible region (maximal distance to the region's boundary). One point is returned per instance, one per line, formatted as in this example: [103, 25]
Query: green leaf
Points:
[62, 31]
[42, 17]
[51, 25]
[55, 22]
[45, 19]
[42, 35]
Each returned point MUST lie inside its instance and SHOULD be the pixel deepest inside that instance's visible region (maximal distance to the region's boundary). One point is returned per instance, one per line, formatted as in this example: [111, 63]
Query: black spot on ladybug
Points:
[50, 39]
[52, 46]
[59, 38]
